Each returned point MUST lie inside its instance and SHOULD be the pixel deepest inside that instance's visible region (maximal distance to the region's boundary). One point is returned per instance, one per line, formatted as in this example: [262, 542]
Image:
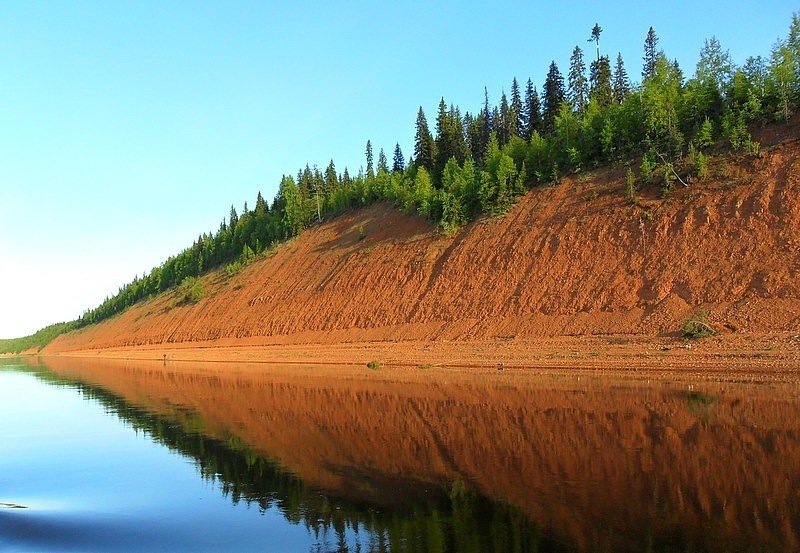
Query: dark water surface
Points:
[123, 456]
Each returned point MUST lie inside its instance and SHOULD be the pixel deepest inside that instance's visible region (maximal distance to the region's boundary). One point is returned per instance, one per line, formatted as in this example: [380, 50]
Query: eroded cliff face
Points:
[572, 259]
[605, 464]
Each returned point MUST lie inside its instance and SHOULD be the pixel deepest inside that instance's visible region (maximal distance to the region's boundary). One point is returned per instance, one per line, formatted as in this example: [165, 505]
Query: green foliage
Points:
[247, 255]
[646, 170]
[701, 166]
[630, 186]
[735, 130]
[782, 82]
[374, 365]
[361, 233]
[190, 291]
[697, 326]
[705, 135]
[233, 269]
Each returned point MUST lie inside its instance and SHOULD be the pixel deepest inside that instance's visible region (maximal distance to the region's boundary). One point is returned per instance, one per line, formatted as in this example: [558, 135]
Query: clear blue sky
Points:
[128, 128]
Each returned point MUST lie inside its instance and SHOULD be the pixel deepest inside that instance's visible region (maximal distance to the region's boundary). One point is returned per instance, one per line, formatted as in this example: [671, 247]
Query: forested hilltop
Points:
[662, 128]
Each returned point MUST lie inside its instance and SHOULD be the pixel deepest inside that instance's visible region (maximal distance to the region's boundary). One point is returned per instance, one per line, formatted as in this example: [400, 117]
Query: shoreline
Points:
[762, 357]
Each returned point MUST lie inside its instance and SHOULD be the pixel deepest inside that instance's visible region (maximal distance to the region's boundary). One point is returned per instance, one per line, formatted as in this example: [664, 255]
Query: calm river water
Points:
[124, 456]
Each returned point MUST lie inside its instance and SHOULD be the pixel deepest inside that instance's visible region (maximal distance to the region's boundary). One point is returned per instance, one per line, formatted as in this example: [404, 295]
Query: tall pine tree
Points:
[370, 165]
[602, 91]
[595, 37]
[398, 163]
[533, 112]
[383, 164]
[516, 107]
[507, 126]
[488, 123]
[554, 96]
[331, 179]
[577, 90]
[650, 54]
[423, 143]
[261, 205]
[620, 82]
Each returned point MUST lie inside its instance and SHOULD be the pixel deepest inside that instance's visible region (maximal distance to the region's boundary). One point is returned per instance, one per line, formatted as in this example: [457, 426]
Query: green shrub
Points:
[697, 326]
[752, 147]
[233, 269]
[701, 166]
[190, 291]
[361, 233]
[374, 365]
[735, 130]
[646, 170]
[705, 135]
[630, 186]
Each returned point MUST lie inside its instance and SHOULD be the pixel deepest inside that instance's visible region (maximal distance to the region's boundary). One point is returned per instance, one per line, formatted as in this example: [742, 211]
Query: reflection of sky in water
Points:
[90, 482]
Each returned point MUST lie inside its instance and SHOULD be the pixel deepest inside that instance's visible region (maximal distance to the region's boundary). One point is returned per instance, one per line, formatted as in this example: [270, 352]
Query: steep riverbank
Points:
[573, 272]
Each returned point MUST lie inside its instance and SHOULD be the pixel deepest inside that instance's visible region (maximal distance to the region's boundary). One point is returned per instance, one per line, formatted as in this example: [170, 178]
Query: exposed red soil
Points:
[569, 263]
[598, 461]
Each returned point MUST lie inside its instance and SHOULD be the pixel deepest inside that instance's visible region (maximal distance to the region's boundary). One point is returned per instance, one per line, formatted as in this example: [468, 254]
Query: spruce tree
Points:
[533, 112]
[620, 82]
[475, 129]
[370, 165]
[261, 205]
[506, 127]
[554, 96]
[331, 179]
[234, 218]
[383, 164]
[650, 54]
[443, 146]
[398, 163]
[516, 107]
[577, 91]
[457, 134]
[423, 142]
[602, 91]
[596, 30]
[488, 123]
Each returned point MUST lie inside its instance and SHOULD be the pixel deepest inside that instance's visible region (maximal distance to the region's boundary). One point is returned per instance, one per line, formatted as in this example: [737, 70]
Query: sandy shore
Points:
[774, 357]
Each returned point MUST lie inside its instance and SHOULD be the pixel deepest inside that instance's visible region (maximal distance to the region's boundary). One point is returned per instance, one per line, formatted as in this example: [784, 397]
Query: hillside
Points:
[574, 259]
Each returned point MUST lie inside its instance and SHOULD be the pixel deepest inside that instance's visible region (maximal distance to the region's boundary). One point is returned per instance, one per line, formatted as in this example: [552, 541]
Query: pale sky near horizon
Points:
[129, 128]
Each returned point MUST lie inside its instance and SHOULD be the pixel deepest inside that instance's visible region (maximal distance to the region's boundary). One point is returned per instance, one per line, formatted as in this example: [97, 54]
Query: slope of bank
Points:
[576, 259]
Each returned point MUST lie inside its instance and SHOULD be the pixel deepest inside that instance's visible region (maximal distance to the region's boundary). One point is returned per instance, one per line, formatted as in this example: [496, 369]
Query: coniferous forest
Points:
[662, 125]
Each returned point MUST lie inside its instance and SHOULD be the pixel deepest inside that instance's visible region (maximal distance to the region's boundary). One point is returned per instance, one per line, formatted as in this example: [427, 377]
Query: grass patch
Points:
[374, 365]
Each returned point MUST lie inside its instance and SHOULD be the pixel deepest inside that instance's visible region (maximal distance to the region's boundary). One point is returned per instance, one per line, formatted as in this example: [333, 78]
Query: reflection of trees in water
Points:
[451, 518]
[606, 465]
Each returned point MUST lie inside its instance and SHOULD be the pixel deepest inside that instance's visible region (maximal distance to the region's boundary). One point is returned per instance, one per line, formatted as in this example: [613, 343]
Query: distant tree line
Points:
[478, 163]
[37, 340]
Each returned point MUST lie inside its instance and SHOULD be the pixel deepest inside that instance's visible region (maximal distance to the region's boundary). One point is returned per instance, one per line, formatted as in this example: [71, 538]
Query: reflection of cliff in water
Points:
[422, 517]
[601, 466]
